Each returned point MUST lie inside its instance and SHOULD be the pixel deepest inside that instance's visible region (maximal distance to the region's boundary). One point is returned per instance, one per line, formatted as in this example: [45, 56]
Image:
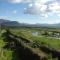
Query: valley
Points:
[30, 43]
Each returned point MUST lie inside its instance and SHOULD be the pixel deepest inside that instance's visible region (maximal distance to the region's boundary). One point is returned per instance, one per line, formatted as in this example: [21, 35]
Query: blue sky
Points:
[31, 11]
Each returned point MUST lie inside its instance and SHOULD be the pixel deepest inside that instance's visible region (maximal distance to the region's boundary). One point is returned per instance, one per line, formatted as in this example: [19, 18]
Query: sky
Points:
[31, 11]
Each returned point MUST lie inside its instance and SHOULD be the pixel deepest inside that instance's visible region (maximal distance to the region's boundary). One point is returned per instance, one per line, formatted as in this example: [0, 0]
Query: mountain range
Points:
[4, 22]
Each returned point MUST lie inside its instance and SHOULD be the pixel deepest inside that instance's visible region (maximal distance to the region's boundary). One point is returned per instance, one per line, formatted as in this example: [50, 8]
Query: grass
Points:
[40, 40]
[27, 33]
[2, 43]
[4, 53]
[53, 43]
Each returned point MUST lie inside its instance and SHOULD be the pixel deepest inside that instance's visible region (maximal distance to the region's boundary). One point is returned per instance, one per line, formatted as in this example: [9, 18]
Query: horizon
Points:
[31, 11]
[31, 23]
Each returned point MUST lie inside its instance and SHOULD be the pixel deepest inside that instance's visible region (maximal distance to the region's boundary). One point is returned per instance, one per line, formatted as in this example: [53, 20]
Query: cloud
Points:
[19, 1]
[36, 8]
[27, 1]
[58, 15]
[44, 15]
[15, 11]
[43, 9]
[3, 17]
[54, 7]
[14, 1]
[40, 7]
[44, 1]
[30, 5]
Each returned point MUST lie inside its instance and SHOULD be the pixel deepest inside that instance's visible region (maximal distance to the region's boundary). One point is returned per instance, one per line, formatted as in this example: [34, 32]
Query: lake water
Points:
[35, 33]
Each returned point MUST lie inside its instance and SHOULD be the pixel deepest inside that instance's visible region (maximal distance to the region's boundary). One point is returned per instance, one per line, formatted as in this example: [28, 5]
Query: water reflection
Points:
[35, 33]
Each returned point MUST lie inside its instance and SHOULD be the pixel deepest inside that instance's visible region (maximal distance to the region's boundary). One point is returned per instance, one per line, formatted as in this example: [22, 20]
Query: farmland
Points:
[34, 42]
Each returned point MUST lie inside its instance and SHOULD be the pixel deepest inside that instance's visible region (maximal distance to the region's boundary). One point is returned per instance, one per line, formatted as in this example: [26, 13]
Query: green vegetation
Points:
[52, 42]
[43, 42]
[4, 53]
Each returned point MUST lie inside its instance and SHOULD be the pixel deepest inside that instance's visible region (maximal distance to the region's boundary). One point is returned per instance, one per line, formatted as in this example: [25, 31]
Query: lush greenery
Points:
[52, 42]
[4, 53]
[40, 37]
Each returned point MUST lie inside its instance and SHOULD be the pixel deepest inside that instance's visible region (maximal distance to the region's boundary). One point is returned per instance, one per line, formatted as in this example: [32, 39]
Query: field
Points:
[44, 43]
[52, 42]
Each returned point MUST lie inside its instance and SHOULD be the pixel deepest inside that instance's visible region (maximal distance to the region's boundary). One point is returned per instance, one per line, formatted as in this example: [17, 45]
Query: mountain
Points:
[11, 23]
[4, 22]
[8, 23]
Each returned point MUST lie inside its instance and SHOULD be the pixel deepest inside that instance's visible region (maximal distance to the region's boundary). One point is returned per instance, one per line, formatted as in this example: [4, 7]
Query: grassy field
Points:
[37, 36]
[5, 54]
[27, 33]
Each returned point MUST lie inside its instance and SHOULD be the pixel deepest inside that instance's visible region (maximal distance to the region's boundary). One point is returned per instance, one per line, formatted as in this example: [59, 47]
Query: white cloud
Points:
[43, 8]
[19, 1]
[14, 1]
[30, 5]
[54, 7]
[59, 15]
[44, 15]
[39, 7]
[36, 8]
[44, 1]
[24, 8]
[27, 1]
[3, 17]
[15, 11]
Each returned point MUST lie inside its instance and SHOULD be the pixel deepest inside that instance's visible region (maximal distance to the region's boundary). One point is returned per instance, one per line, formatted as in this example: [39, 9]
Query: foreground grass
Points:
[4, 53]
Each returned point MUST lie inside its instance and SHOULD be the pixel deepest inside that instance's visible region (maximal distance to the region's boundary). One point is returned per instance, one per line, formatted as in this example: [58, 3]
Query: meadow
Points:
[44, 42]
[53, 42]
